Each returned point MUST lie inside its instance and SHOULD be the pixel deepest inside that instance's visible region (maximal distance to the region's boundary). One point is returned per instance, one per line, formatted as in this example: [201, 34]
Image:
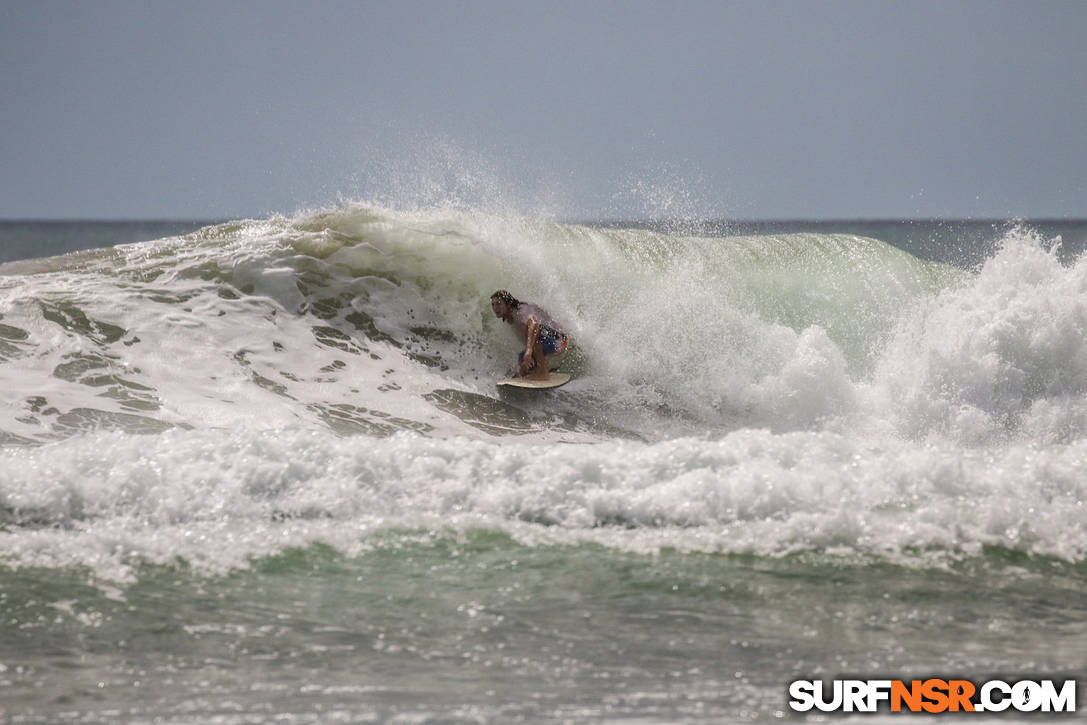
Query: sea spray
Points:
[1004, 357]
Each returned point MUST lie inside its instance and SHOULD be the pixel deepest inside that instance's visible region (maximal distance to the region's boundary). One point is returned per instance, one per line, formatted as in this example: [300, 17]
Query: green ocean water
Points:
[472, 626]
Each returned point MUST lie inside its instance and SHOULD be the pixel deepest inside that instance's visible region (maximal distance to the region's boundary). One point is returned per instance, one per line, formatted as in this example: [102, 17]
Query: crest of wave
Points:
[1002, 358]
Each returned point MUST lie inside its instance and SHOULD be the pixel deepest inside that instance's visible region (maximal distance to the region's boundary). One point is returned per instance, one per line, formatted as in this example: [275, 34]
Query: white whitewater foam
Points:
[215, 499]
[1002, 358]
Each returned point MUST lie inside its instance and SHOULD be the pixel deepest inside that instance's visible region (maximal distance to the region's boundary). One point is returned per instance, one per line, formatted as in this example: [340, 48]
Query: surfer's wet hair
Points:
[504, 296]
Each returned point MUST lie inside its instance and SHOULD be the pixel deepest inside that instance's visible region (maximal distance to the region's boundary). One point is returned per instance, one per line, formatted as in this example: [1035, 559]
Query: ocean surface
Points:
[259, 471]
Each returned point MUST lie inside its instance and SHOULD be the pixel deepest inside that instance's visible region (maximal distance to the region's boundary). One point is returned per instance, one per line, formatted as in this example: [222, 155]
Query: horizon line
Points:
[585, 220]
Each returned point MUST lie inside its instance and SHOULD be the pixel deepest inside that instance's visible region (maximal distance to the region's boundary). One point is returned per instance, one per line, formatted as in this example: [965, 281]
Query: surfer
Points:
[544, 341]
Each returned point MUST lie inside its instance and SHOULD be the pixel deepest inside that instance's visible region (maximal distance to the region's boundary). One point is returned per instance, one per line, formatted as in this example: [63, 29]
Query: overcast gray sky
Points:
[584, 109]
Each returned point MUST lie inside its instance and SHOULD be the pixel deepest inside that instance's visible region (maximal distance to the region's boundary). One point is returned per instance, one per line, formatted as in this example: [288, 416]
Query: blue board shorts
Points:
[550, 344]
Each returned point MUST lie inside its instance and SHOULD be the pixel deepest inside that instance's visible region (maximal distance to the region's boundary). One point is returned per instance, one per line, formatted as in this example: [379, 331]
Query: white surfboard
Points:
[554, 381]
